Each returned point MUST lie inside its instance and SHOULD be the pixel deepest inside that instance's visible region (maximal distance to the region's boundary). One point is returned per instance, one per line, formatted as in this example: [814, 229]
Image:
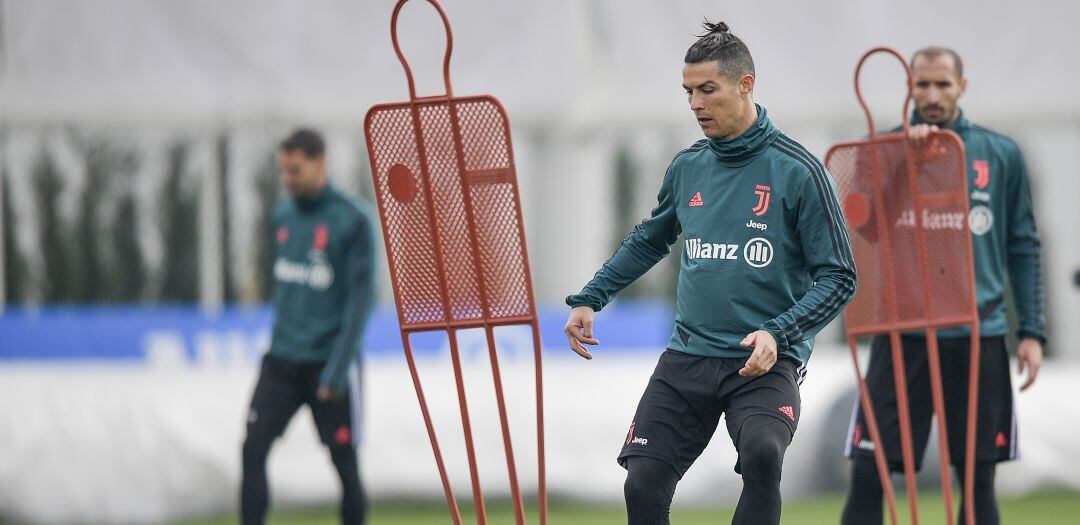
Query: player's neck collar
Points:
[740, 150]
[313, 201]
[960, 124]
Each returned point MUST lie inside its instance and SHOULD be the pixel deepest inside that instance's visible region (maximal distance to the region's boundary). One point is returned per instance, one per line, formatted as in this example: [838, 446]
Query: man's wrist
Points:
[574, 301]
[774, 330]
[1026, 334]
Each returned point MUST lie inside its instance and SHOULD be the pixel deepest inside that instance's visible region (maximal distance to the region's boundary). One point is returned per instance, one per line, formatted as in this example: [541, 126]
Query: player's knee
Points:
[344, 458]
[761, 461]
[256, 448]
[639, 488]
[761, 451]
[344, 454]
[650, 483]
[984, 477]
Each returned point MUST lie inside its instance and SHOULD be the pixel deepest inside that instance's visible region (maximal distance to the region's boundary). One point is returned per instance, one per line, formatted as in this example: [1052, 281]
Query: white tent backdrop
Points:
[581, 81]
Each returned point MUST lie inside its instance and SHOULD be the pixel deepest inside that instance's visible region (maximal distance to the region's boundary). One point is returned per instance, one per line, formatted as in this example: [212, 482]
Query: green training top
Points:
[324, 266]
[764, 245]
[1004, 239]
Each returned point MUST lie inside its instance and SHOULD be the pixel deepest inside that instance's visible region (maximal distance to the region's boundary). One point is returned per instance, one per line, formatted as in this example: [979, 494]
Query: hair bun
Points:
[718, 27]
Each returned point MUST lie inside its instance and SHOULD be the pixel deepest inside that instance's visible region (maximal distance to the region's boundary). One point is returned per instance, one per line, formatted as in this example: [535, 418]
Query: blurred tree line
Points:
[89, 246]
[93, 248]
[632, 199]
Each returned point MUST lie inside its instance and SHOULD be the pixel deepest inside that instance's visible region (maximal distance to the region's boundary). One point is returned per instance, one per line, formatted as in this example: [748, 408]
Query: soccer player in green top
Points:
[766, 263]
[1006, 247]
[324, 265]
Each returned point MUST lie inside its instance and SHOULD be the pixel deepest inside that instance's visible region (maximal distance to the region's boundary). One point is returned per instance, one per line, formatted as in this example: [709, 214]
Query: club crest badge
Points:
[763, 193]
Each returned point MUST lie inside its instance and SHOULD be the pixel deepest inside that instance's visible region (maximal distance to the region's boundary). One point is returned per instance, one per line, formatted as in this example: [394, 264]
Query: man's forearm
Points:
[813, 311]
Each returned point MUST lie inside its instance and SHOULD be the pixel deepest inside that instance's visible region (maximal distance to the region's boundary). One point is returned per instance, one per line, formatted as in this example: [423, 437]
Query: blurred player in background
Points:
[766, 264]
[324, 290]
[1005, 246]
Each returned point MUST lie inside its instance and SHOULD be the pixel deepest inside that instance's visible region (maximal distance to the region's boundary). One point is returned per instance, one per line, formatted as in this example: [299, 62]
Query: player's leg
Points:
[674, 421]
[865, 496]
[995, 435]
[353, 501]
[761, 444]
[338, 421]
[277, 397]
[986, 506]
[650, 485]
[762, 415]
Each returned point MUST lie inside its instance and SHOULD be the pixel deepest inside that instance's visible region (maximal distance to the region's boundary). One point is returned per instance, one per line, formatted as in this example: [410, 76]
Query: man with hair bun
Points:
[766, 263]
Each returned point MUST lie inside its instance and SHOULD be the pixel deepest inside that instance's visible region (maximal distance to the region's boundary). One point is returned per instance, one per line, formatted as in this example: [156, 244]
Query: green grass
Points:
[1050, 507]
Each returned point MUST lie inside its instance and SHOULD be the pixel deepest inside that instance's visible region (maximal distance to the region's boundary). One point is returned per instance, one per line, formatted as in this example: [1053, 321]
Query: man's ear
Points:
[746, 84]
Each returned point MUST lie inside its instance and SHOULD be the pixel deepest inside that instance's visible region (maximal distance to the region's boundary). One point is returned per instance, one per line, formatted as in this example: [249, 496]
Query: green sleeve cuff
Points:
[1024, 334]
[782, 343]
[340, 383]
[574, 301]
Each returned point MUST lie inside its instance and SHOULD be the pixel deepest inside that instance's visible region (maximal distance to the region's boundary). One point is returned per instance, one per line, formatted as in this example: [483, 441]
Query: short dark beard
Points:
[314, 191]
[949, 118]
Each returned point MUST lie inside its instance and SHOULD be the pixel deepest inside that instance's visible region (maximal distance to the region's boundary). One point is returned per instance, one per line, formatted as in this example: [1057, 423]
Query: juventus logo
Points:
[321, 238]
[982, 173]
[762, 193]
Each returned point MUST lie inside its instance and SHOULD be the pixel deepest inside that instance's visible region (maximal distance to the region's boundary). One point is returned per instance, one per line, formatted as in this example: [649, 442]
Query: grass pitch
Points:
[1056, 507]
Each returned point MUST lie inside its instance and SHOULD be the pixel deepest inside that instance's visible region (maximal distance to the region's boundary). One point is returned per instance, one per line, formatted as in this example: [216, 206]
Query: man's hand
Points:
[919, 133]
[326, 393]
[1029, 355]
[764, 356]
[579, 330]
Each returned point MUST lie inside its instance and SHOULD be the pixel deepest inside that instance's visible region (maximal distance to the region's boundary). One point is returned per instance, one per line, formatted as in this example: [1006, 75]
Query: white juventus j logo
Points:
[758, 252]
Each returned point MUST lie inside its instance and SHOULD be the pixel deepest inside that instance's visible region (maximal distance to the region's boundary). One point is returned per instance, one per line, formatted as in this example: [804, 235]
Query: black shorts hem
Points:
[762, 412]
[898, 466]
[996, 438]
[659, 457]
[894, 466]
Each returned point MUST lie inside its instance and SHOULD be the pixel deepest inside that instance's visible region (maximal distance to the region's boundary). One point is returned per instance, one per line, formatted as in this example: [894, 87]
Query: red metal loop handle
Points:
[401, 56]
[858, 88]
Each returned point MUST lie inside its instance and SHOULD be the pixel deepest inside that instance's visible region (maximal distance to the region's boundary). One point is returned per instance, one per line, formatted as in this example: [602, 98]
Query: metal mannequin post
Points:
[444, 176]
[888, 188]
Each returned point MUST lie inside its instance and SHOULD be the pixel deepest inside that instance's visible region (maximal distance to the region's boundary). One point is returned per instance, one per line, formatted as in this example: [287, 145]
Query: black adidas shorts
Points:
[995, 438]
[283, 387]
[681, 406]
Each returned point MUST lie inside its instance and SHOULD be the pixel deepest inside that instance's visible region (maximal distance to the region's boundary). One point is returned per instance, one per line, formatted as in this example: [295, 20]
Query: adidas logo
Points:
[696, 200]
[787, 411]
